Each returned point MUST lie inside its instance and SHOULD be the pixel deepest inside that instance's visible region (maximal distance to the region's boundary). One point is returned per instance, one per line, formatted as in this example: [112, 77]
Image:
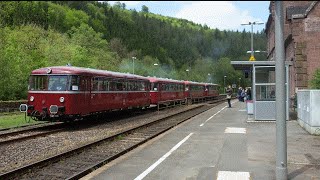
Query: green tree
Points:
[315, 81]
[144, 9]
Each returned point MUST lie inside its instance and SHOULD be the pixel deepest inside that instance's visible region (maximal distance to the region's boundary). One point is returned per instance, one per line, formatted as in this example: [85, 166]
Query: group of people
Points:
[242, 95]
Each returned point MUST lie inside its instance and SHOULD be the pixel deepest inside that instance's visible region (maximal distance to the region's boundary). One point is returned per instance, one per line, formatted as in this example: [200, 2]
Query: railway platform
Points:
[222, 143]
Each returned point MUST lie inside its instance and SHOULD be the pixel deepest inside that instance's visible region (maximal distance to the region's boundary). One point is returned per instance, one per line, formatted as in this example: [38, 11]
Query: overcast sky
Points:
[224, 15]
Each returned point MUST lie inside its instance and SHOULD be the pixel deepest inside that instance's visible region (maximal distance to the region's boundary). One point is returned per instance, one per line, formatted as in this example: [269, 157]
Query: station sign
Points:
[252, 58]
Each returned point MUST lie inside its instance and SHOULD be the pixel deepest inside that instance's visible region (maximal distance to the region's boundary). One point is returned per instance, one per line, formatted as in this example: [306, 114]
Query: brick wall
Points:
[304, 48]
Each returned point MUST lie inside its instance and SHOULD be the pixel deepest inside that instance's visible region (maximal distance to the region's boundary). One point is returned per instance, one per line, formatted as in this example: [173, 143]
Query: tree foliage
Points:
[34, 34]
[315, 81]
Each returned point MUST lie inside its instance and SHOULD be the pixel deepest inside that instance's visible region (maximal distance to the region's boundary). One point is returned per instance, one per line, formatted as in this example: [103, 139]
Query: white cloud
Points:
[215, 14]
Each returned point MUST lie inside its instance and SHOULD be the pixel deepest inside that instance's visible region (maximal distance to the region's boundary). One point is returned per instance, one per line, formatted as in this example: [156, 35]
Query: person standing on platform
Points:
[229, 94]
[239, 93]
[249, 93]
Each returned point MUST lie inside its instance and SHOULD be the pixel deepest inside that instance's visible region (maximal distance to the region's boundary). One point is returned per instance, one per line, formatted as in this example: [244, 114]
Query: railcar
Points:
[194, 91]
[211, 90]
[67, 92]
[166, 91]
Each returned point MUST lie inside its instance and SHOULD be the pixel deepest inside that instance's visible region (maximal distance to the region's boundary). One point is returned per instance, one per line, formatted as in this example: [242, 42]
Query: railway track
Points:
[80, 161]
[40, 130]
[29, 132]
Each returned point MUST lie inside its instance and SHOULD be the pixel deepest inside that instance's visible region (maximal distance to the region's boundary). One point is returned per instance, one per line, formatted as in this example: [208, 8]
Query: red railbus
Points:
[212, 90]
[194, 91]
[70, 92]
[164, 91]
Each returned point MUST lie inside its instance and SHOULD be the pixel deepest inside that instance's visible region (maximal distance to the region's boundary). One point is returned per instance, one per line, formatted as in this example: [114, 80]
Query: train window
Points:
[147, 85]
[57, 82]
[120, 85]
[124, 85]
[38, 83]
[85, 85]
[131, 85]
[138, 86]
[94, 84]
[143, 86]
[154, 86]
[101, 87]
[162, 87]
[74, 83]
[187, 88]
[105, 84]
[173, 87]
[112, 85]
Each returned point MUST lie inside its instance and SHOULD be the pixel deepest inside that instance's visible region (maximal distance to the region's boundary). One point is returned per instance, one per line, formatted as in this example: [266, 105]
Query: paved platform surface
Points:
[218, 144]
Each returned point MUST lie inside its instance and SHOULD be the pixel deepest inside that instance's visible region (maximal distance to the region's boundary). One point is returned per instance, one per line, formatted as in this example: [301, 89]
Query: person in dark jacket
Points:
[229, 94]
[239, 93]
[249, 93]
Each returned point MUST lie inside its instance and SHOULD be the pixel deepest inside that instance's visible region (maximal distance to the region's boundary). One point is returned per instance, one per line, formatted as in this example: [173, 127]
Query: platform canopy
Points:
[247, 65]
[262, 76]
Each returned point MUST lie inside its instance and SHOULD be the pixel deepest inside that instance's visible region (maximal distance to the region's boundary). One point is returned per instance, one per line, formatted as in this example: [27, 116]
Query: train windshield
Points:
[57, 82]
[48, 83]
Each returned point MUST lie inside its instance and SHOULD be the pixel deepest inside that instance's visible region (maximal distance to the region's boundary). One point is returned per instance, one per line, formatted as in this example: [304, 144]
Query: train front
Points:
[51, 93]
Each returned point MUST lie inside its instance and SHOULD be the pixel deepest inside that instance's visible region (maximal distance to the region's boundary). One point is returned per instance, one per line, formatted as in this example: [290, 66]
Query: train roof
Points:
[212, 84]
[83, 71]
[194, 83]
[156, 79]
[200, 83]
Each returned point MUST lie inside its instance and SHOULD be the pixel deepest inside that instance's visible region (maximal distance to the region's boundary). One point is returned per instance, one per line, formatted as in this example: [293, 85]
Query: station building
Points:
[301, 40]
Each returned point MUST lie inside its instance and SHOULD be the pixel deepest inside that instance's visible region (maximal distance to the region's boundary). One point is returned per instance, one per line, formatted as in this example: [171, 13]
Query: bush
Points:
[315, 81]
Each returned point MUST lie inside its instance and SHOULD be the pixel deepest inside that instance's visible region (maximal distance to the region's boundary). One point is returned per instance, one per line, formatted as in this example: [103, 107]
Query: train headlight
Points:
[31, 98]
[61, 99]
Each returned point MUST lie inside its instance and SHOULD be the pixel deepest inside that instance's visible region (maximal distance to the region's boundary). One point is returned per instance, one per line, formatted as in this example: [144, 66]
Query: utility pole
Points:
[252, 51]
[133, 58]
[224, 83]
[281, 129]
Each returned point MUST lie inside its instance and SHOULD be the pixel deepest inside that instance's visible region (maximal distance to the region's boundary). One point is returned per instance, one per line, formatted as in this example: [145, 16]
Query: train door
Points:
[162, 89]
[119, 100]
[125, 99]
[95, 95]
[86, 88]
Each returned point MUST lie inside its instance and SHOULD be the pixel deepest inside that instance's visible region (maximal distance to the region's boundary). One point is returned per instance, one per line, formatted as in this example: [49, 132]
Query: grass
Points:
[15, 120]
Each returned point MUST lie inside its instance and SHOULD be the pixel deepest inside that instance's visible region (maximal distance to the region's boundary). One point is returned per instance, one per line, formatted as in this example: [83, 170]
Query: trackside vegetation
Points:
[36, 34]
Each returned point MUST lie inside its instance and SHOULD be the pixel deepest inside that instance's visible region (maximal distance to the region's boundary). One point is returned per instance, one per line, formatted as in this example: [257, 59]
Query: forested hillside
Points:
[98, 35]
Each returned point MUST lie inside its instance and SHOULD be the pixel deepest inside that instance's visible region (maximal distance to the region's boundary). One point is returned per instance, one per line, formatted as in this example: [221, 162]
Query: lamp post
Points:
[224, 83]
[187, 73]
[252, 23]
[133, 58]
[155, 64]
[257, 51]
[239, 81]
